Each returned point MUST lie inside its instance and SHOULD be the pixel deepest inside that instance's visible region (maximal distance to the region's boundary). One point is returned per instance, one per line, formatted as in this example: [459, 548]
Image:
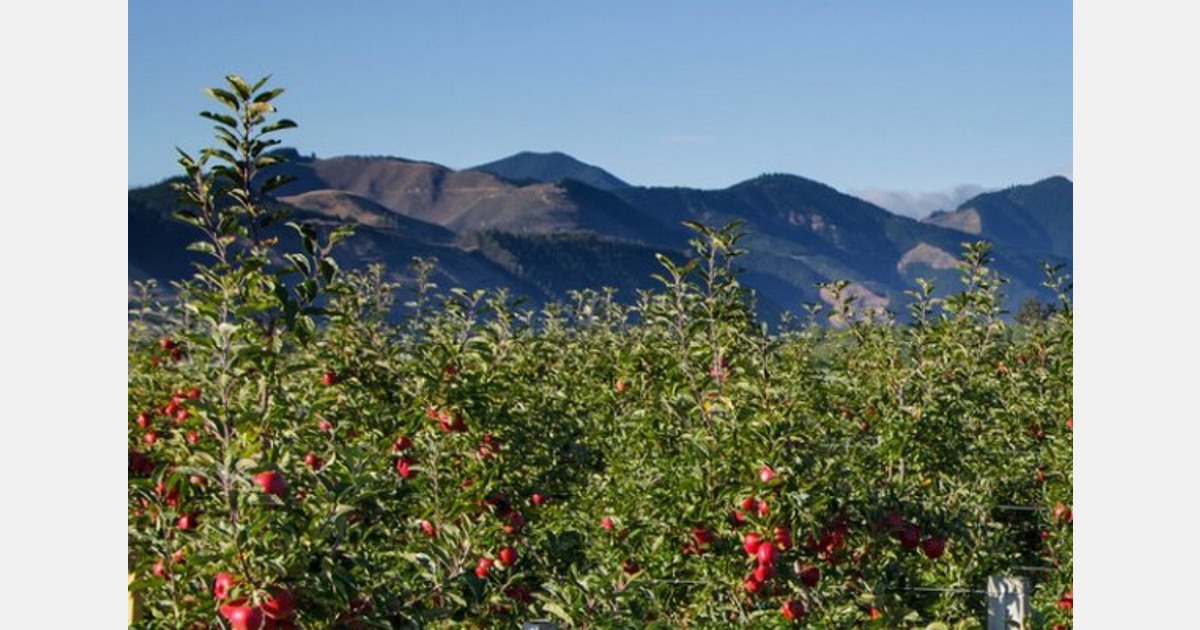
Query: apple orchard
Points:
[311, 447]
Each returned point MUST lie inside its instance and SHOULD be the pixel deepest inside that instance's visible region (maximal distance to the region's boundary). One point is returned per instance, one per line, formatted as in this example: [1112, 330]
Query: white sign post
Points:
[1008, 603]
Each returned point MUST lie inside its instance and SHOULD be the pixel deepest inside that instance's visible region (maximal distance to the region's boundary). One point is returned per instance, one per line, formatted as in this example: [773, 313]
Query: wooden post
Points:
[1008, 603]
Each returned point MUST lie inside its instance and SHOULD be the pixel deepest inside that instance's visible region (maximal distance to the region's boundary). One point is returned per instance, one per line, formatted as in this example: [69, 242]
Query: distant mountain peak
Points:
[1035, 216]
[782, 179]
[545, 154]
[549, 167]
[1057, 180]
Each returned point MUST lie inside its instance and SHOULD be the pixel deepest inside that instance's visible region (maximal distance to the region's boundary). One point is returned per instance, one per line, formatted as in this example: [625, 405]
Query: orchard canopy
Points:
[313, 447]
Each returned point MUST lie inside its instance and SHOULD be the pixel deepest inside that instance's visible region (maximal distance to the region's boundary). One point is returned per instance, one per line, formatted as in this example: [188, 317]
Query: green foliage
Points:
[412, 450]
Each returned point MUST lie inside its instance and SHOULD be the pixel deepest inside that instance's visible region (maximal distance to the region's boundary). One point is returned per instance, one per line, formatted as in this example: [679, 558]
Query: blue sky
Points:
[917, 96]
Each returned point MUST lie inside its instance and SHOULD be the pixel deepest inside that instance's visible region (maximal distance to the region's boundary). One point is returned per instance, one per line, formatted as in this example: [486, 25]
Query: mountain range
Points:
[543, 224]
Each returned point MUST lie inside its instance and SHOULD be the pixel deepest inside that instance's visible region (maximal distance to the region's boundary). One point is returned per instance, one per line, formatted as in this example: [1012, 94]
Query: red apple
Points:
[702, 536]
[140, 464]
[325, 426]
[272, 482]
[193, 437]
[810, 575]
[166, 343]
[765, 474]
[764, 572]
[751, 542]
[404, 467]
[508, 556]
[538, 498]
[910, 536]
[483, 568]
[428, 528]
[792, 609]
[766, 554]
[222, 584]
[631, 567]
[933, 547]
[279, 604]
[329, 378]
[243, 617]
[514, 522]
[194, 393]
[160, 570]
[143, 420]
[187, 522]
[607, 523]
[151, 437]
[312, 461]
[402, 443]
[520, 593]
[752, 585]
[783, 537]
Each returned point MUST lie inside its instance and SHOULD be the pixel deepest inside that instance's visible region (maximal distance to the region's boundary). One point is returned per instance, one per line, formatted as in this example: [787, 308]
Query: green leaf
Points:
[557, 611]
[267, 96]
[203, 246]
[340, 233]
[301, 262]
[258, 109]
[329, 269]
[222, 154]
[224, 119]
[278, 125]
[228, 99]
[275, 181]
[240, 86]
[307, 290]
[188, 217]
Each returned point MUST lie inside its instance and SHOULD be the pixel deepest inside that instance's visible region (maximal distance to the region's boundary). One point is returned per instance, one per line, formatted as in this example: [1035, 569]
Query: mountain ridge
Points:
[547, 238]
